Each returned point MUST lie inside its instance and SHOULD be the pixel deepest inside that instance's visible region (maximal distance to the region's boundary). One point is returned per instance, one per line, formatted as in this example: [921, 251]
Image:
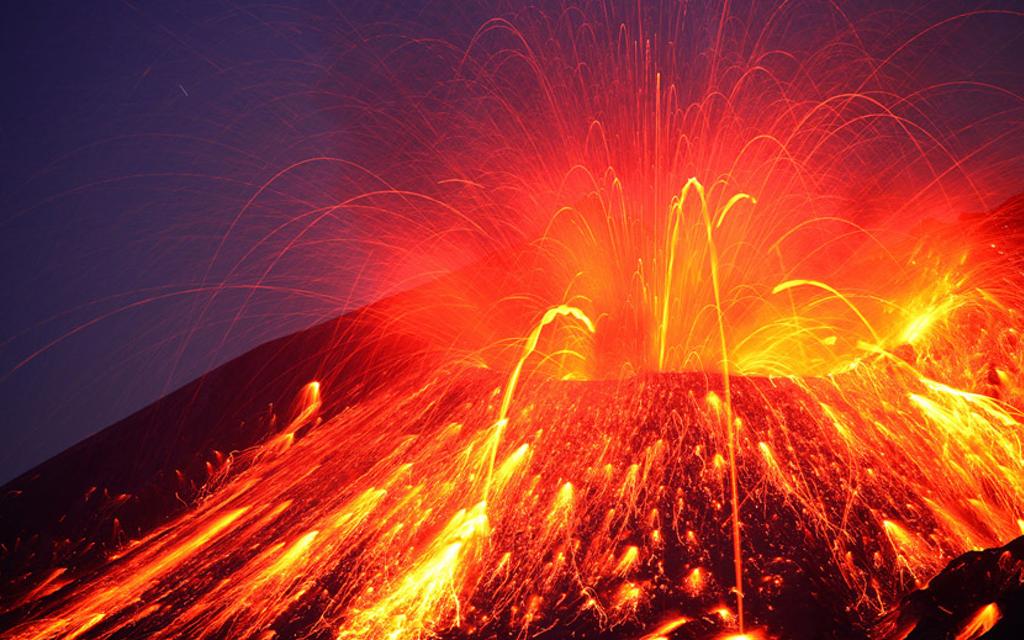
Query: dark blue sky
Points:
[133, 134]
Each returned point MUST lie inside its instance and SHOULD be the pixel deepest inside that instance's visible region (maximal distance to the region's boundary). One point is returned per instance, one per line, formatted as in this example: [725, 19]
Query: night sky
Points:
[134, 134]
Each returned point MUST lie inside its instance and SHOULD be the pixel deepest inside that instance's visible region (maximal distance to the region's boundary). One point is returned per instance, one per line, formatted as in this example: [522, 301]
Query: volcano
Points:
[345, 482]
[678, 334]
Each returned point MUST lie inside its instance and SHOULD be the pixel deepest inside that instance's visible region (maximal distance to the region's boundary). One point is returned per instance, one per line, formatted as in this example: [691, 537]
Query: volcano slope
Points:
[393, 510]
[355, 480]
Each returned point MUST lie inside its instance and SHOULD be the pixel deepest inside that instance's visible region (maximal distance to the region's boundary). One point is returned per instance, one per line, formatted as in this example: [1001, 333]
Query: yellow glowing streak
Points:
[981, 623]
[562, 310]
[676, 214]
[790, 284]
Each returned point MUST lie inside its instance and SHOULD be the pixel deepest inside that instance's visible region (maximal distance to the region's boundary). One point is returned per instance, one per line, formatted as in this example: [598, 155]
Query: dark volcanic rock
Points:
[967, 585]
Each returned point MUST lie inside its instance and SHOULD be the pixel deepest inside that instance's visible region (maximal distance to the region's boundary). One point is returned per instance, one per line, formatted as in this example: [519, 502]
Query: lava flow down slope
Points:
[691, 322]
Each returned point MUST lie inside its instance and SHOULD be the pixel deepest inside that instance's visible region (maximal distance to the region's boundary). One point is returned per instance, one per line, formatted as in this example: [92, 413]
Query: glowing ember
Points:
[981, 623]
[660, 403]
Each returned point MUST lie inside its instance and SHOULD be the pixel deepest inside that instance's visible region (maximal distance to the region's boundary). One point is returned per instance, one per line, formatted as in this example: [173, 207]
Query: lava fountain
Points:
[697, 342]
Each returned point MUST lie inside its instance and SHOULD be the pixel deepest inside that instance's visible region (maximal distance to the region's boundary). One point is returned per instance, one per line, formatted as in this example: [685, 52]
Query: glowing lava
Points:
[724, 347]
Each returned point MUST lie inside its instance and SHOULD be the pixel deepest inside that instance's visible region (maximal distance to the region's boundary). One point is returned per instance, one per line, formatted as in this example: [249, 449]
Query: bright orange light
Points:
[981, 623]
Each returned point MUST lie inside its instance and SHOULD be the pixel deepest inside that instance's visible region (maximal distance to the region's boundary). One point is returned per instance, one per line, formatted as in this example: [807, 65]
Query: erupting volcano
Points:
[692, 322]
